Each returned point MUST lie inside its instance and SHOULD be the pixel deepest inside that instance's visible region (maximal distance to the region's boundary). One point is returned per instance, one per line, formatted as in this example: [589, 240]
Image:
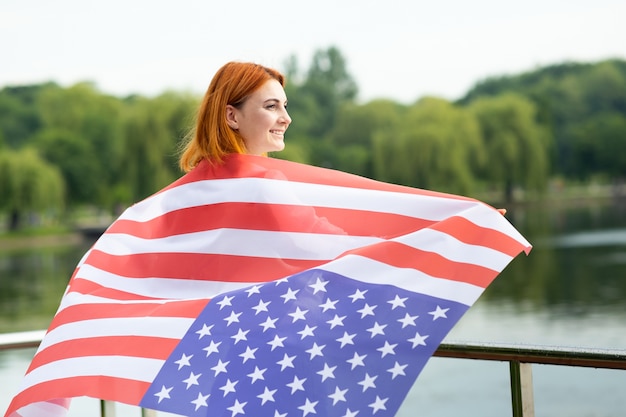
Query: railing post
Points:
[145, 412]
[107, 408]
[522, 389]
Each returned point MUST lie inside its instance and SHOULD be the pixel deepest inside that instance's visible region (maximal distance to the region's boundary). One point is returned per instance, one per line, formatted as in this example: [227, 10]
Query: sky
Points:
[396, 49]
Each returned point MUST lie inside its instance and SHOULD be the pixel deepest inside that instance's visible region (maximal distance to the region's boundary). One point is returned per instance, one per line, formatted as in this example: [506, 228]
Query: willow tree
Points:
[517, 145]
[436, 145]
[28, 185]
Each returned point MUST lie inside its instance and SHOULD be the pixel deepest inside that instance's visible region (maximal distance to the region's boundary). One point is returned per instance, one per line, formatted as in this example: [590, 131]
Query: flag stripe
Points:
[433, 264]
[95, 386]
[150, 288]
[88, 311]
[168, 327]
[137, 346]
[271, 217]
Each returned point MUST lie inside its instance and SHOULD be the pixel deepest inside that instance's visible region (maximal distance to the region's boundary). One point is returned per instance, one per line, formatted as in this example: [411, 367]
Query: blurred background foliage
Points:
[66, 148]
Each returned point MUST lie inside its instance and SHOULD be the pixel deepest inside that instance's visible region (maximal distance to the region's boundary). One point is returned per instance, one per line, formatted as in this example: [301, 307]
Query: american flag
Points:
[268, 288]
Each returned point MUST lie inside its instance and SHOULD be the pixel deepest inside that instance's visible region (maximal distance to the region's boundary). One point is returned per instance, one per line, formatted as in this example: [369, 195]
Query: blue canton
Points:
[313, 344]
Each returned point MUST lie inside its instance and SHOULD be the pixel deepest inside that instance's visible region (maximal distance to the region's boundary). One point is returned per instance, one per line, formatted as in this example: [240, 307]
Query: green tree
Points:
[599, 145]
[78, 163]
[28, 184]
[153, 129]
[436, 145]
[351, 140]
[517, 146]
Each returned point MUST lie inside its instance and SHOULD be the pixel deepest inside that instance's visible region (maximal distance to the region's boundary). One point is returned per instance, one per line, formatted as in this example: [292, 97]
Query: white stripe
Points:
[352, 266]
[133, 368]
[265, 244]
[42, 408]
[165, 288]
[451, 248]
[164, 327]
[271, 191]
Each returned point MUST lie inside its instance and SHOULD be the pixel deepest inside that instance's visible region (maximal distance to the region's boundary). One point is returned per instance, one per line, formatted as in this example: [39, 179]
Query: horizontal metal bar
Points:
[548, 355]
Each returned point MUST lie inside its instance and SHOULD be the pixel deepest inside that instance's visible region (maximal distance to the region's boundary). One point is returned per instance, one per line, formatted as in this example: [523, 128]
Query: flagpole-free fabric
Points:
[268, 288]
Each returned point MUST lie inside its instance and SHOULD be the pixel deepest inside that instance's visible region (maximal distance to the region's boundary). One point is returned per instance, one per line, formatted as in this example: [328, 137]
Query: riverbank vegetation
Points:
[66, 150]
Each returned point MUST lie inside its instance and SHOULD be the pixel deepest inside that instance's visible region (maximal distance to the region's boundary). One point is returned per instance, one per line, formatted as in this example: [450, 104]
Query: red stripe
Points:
[102, 387]
[472, 234]
[248, 166]
[208, 267]
[274, 217]
[135, 346]
[430, 263]
[75, 313]
[83, 286]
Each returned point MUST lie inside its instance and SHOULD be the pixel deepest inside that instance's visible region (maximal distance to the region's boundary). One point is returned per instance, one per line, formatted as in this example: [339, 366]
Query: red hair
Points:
[212, 138]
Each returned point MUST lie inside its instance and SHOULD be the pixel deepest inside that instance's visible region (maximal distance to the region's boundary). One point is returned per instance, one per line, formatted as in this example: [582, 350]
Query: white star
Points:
[358, 295]
[327, 372]
[328, 305]
[206, 330]
[220, 367]
[225, 301]
[267, 396]
[367, 310]
[253, 290]
[307, 331]
[229, 387]
[192, 380]
[397, 370]
[319, 286]
[315, 350]
[257, 374]
[286, 362]
[277, 414]
[377, 329]
[418, 340]
[164, 393]
[237, 408]
[350, 413]
[241, 335]
[356, 360]
[308, 407]
[290, 295]
[262, 306]
[336, 321]
[397, 302]
[298, 314]
[296, 385]
[248, 354]
[387, 349]
[184, 361]
[408, 320]
[368, 381]
[338, 395]
[233, 318]
[439, 313]
[346, 339]
[379, 404]
[200, 401]
[277, 342]
[269, 323]
[212, 348]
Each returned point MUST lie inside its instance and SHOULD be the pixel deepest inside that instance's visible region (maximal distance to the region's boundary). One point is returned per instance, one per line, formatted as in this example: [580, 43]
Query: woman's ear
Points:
[231, 117]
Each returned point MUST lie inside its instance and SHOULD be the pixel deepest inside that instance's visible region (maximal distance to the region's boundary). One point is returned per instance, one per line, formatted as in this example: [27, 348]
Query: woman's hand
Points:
[502, 211]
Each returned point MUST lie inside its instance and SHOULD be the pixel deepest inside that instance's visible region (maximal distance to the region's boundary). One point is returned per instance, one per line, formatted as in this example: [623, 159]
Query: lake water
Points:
[570, 291]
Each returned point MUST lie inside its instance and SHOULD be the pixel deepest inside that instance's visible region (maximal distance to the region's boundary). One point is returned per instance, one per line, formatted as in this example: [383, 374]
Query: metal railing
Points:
[520, 359]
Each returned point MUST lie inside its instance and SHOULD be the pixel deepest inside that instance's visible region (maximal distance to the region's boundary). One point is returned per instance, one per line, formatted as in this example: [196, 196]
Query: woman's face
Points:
[262, 119]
